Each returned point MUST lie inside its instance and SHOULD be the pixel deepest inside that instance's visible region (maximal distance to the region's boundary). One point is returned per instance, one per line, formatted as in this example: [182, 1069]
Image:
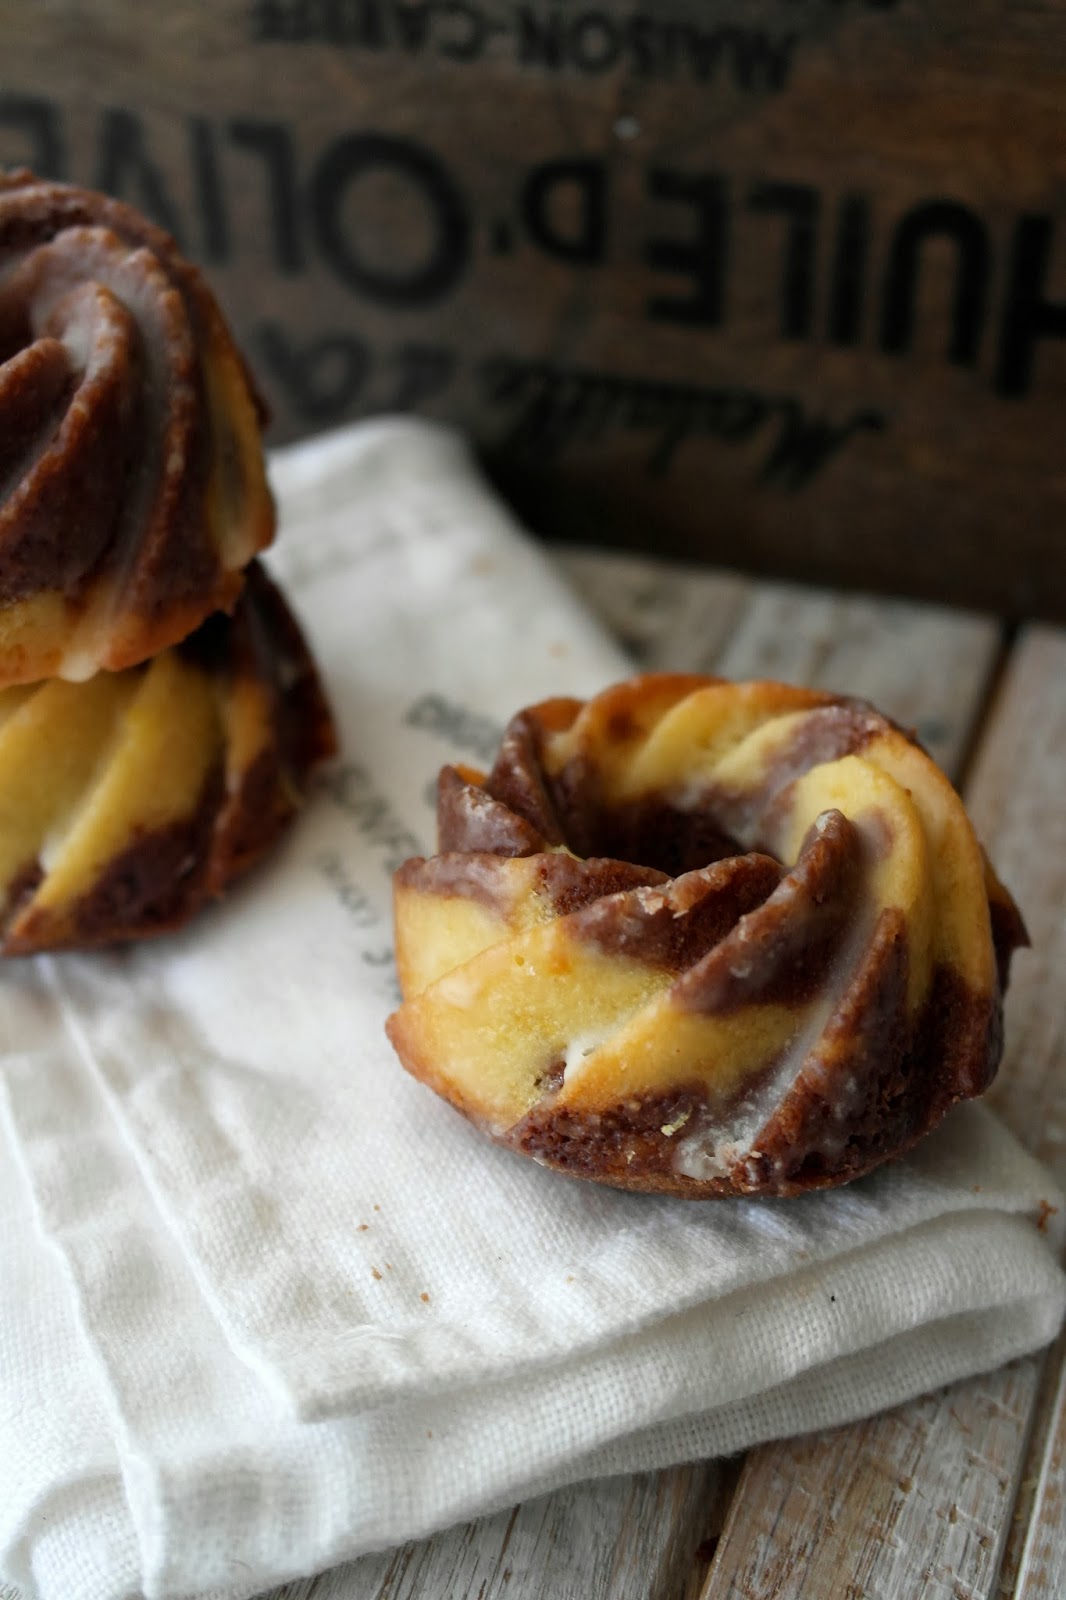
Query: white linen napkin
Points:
[268, 1302]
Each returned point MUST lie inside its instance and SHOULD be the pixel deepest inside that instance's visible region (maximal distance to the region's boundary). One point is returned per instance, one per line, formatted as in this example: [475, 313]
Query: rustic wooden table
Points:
[959, 1495]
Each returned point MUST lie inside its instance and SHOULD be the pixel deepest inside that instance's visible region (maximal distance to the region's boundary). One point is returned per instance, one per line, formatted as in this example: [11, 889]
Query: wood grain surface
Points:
[1019, 780]
[775, 283]
[919, 1504]
[1039, 1522]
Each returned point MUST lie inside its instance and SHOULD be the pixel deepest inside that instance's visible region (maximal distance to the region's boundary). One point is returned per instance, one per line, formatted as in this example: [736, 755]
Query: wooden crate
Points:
[776, 283]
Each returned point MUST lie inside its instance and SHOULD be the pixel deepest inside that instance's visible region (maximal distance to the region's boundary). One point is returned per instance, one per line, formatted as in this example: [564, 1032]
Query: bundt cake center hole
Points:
[655, 833]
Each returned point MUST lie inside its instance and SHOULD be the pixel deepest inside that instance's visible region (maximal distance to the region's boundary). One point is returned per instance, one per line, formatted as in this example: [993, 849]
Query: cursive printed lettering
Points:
[553, 408]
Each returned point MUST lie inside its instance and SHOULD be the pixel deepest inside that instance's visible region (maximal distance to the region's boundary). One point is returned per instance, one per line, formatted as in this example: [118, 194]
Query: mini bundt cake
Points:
[129, 800]
[703, 938]
[132, 489]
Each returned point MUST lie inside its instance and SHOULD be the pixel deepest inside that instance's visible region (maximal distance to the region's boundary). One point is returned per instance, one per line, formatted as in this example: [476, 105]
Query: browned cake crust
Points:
[132, 489]
[702, 939]
[129, 801]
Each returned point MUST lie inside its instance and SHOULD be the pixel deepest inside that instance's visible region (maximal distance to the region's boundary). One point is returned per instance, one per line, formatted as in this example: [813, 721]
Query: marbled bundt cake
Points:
[132, 490]
[129, 800]
[703, 938]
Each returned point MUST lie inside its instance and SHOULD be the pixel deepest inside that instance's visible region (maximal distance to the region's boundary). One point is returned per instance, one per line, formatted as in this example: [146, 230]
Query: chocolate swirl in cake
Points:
[129, 801]
[704, 938]
[132, 490]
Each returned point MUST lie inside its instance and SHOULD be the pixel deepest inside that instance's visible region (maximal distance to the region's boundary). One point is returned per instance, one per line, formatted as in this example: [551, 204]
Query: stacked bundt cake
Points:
[703, 938]
[151, 745]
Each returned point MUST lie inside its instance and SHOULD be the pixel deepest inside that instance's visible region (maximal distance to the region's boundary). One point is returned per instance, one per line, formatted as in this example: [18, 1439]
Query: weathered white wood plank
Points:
[1017, 795]
[670, 617]
[922, 665]
[912, 1506]
[926, 667]
[919, 1503]
[1031, 1094]
[1034, 1566]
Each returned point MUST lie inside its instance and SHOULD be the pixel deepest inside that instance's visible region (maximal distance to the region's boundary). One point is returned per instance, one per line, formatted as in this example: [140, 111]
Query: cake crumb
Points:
[363, 1227]
[374, 1273]
[424, 1297]
[1045, 1214]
